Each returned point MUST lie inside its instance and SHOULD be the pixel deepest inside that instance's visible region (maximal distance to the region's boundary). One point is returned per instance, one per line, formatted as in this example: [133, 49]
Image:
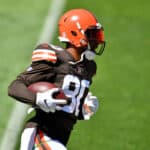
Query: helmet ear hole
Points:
[74, 33]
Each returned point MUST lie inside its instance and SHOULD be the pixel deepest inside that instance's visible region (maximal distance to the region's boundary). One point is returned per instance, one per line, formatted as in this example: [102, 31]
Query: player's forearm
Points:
[20, 92]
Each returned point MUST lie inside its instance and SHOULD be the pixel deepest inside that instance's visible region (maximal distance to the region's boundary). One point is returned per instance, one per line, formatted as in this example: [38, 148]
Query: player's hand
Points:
[90, 106]
[47, 102]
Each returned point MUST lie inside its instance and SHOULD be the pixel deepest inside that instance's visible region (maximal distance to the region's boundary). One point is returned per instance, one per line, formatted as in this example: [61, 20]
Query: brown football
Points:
[44, 86]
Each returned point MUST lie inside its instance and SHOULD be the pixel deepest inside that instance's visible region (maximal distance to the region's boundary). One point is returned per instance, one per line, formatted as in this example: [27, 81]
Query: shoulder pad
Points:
[44, 52]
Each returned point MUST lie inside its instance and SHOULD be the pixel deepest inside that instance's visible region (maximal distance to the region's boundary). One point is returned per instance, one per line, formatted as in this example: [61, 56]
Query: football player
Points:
[71, 69]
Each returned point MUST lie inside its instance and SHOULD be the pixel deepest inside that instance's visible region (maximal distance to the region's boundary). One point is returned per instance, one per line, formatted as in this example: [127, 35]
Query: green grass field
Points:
[20, 26]
[122, 81]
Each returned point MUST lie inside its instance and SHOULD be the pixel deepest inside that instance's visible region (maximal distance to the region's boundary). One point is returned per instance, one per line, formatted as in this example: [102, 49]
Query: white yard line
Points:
[19, 110]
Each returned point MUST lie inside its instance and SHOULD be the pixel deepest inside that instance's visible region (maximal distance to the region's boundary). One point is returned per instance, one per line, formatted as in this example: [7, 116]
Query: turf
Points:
[122, 81]
[20, 26]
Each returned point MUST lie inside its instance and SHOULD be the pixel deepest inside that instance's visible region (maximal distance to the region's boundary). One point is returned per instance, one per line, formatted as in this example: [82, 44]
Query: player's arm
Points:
[90, 106]
[18, 89]
[91, 103]
[41, 69]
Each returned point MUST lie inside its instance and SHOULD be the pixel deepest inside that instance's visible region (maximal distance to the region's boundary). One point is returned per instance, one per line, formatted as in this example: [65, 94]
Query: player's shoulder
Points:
[46, 52]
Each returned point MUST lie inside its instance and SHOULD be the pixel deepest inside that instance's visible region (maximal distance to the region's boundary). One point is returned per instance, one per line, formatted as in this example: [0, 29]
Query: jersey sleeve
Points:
[38, 71]
[44, 52]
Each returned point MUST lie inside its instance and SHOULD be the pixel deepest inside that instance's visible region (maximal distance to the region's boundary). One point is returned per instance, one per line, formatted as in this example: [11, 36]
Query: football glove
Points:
[47, 102]
[90, 106]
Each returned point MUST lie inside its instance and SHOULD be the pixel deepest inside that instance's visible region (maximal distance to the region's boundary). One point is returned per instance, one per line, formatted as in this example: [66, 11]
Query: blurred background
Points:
[122, 80]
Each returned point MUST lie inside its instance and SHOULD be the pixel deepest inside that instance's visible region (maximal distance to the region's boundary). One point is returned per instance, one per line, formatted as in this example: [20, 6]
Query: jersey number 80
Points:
[75, 90]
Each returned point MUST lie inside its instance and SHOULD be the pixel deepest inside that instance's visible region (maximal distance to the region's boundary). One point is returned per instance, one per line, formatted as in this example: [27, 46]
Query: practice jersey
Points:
[56, 65]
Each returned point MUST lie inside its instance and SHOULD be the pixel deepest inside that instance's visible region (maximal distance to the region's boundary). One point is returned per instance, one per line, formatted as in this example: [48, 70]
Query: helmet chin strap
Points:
[88, 54]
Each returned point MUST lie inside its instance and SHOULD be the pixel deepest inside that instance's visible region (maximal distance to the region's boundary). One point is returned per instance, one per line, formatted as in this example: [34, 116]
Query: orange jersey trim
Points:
[44, 54]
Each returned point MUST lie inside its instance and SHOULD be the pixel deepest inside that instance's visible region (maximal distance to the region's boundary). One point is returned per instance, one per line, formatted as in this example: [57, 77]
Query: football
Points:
[44, 86]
